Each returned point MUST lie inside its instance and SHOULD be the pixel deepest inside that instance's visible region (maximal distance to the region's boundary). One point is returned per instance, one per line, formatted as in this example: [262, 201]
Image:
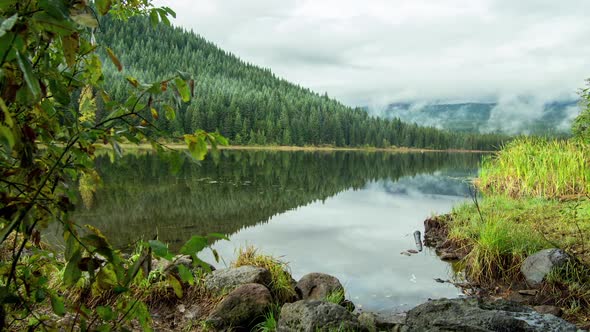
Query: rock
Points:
[229, 279]
[449, 256]
[368, 321]
[471, 314]
[317, 286]
[412, 251]
[538, 265]
[548, 309]
[382, 322]
[241, 308]
[315, 315]
[405, 253]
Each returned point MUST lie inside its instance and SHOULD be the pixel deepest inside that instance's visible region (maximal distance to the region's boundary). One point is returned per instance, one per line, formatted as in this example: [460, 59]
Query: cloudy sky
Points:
[374, 52]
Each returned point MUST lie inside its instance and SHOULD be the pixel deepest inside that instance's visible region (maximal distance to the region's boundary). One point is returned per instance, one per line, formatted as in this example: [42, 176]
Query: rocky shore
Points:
[247, 294]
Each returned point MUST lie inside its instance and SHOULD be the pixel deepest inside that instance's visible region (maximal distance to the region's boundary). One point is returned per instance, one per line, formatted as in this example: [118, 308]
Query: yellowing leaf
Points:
[170, 112]
[71, 45]
[114, 59]
[155, 114]
[176, 285]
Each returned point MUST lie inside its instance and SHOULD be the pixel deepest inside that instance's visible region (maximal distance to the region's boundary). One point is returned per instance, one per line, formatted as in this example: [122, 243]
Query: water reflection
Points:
[349, 214]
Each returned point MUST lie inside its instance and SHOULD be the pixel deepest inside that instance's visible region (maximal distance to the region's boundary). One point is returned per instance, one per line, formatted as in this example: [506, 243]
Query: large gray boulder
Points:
[478, 315]
[538, 265]
[241, 308]
[315, 315]
[229, 279]
[316, 286]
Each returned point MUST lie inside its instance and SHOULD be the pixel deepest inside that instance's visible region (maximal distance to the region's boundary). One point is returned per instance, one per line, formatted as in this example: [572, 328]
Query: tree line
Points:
[250, 105]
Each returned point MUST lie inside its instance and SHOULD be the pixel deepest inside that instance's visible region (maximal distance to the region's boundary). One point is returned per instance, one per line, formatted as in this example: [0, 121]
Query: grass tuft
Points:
[336, 297]
[281, 281]
[537, 167]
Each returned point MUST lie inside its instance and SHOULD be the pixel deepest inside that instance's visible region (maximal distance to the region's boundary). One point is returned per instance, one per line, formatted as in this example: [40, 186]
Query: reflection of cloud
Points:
[358, 235]
[423, 184]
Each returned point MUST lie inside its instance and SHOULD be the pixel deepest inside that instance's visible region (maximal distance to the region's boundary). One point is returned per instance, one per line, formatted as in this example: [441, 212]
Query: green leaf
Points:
[186, 275]
[114, 59]
[105, 313]
[55, 8]
[176, 285]
[154, 19]
[183, 90]
[85, 19]
[7, 24]
[164, 16]
[160, 249]
[218, 236]
[52, 24]
[57, 304]
[4, 4]
[194, 245]
[27, 69]
[103, 6]
[170, 113]
[198, 148]
[72, 273]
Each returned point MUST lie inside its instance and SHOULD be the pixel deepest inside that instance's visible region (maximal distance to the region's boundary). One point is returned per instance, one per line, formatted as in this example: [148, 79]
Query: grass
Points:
[281, 282]
[270, 322]
[536, 196]
[336, 297]
[535, 167]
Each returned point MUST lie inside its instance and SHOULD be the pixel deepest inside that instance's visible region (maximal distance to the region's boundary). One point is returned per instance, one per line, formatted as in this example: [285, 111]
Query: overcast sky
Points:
[373, 52]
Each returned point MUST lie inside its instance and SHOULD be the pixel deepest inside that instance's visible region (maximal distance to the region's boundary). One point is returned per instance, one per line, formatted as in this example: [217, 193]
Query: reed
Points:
[538, 167]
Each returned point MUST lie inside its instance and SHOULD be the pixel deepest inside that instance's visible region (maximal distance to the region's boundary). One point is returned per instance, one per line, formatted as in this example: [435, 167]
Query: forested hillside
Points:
[250, 105]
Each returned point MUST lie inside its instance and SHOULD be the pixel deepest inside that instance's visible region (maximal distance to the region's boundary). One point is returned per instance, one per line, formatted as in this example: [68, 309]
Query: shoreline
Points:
[291, 148]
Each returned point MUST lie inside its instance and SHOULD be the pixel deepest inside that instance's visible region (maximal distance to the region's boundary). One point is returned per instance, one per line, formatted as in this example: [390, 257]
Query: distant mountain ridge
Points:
[520, 117]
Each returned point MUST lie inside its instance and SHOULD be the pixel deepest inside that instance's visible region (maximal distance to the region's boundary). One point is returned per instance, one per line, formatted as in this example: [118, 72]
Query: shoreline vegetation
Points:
[182, 146]
[535, 196]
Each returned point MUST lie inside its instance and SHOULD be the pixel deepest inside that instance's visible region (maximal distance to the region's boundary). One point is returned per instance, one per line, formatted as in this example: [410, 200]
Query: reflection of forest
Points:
[144, 194]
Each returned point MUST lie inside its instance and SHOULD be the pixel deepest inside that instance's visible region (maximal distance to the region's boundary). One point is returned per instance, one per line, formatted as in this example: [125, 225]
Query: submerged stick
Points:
[418, 239]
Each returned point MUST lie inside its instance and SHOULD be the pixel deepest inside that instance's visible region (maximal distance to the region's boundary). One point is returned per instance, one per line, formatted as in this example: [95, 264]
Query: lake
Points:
[348, 214]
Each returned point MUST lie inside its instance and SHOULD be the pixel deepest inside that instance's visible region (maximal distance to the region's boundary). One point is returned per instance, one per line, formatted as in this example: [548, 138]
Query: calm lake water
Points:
[349, 214]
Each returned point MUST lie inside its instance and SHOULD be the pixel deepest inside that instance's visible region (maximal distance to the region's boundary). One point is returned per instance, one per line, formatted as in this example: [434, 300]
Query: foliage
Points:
[581, 125]
[51, 88]
[250, 105]
[336, 297]
[281, 281]
[535, 167]
[508, 230]
[270, 322]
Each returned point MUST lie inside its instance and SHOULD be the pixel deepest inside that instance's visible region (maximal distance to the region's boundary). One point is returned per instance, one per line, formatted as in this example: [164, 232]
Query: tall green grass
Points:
[537, 167]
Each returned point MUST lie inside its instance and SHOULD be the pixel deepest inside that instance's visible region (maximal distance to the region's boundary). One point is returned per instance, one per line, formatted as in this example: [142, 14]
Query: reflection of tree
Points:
[243, 189]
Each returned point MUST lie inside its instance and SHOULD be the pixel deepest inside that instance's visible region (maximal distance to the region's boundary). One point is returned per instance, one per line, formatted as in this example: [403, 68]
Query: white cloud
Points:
[379, 51]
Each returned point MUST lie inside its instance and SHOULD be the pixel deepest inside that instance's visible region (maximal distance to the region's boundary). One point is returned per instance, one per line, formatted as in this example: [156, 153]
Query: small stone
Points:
[229, 279]
[548, 309]
[449, 256]
[537, 266]
[314, 315]
[181, 308]
[412, 251]
[405, 253]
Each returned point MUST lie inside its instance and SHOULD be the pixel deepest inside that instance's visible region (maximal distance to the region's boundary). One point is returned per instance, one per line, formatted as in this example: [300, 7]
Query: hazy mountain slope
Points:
[509, 118]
